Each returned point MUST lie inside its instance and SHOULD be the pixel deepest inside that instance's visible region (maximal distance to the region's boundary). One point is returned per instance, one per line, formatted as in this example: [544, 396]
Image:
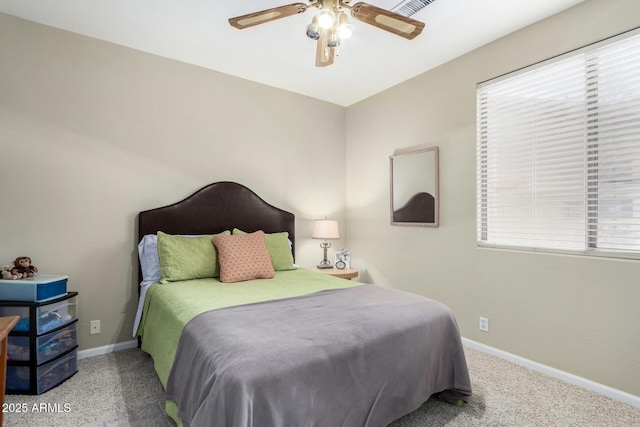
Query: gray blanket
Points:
[361, 356]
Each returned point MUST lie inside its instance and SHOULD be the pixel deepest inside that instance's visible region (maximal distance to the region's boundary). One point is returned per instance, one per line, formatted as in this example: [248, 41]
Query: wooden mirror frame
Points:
[422, 209]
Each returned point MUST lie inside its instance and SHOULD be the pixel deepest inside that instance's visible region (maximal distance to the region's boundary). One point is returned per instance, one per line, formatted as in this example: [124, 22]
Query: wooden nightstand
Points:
[347, 273]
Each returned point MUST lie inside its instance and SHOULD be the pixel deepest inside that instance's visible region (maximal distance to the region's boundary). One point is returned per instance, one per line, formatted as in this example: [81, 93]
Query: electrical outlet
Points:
[94, 327]
[484, 324]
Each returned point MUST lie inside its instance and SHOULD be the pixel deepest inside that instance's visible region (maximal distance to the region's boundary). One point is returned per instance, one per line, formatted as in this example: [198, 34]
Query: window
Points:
[558, 156]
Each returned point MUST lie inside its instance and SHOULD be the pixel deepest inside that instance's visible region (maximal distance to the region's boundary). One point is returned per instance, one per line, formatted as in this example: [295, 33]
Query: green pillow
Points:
[186, 258]
[279, 250]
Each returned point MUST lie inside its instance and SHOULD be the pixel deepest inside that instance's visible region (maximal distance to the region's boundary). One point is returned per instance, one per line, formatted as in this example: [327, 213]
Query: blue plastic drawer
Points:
[48, 316]
[21, 312]
[17, 378]
[41, 287]
[18, 348]
[52, 316]
[49, 375]
[55, 343]
[53, 373]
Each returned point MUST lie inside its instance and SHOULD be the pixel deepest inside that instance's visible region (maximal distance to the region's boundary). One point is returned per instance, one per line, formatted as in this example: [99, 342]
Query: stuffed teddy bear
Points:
[7, 275]
[22, 264]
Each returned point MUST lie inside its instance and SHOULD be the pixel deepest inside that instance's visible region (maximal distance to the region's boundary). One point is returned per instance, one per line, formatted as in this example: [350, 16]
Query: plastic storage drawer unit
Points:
[48, 375]
[42, 347]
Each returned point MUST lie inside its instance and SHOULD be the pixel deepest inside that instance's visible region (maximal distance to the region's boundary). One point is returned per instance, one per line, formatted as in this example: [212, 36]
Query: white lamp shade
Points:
[325, 229]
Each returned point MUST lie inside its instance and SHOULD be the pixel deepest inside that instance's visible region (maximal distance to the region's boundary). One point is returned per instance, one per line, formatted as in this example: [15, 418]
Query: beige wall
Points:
[576, 314]
[91, 133]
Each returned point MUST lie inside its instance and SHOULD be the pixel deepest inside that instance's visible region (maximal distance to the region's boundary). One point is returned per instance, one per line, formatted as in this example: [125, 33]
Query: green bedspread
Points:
[169, 307]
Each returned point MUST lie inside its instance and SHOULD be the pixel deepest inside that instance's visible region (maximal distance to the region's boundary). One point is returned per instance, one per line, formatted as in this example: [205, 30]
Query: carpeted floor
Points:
[122, 389]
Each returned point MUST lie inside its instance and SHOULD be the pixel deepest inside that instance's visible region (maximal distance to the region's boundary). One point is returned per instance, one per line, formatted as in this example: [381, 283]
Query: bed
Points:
[296, 348]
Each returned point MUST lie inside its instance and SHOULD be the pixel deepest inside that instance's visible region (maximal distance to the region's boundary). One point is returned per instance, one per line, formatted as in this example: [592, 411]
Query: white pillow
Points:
[149, 261]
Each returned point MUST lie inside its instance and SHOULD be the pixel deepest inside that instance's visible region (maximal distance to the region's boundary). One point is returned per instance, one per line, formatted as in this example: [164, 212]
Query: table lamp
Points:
[325, 229]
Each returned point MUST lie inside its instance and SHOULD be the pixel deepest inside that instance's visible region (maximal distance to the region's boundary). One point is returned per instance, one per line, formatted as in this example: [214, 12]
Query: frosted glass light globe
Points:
[326, 18]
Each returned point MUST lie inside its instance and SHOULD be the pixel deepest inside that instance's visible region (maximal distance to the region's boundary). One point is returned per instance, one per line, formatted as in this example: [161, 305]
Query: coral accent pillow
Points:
[243, 257]
[279, 248]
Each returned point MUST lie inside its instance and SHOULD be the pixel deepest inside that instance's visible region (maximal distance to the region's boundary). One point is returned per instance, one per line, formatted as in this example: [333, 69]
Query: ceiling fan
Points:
[331, 24]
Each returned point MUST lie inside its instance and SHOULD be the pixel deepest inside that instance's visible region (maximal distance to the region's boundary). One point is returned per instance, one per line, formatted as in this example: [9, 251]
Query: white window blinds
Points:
[559, 153]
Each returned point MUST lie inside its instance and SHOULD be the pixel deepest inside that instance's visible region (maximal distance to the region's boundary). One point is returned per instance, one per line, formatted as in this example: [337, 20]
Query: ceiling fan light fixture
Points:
[330, 26]
[345, 30]
[326, 18]
[313, 29]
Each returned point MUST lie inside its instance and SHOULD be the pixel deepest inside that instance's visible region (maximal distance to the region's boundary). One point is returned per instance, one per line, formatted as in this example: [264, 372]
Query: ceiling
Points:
[278, 53]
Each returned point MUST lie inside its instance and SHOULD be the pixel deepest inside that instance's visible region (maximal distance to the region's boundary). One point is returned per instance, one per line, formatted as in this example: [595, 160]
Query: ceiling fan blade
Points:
[324, 53]
[268, 15]
[386, 20]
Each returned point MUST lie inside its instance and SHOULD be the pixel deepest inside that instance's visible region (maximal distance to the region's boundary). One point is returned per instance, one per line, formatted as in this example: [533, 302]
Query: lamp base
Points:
[324, 266]
[325, 263]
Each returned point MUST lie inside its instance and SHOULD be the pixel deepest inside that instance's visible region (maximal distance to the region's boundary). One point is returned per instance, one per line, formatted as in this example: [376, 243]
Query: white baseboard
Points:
[97, 351]
[557, 373]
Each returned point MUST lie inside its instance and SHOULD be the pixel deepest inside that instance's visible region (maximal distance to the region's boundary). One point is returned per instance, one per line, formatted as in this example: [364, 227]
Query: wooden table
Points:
[6, 325]
[347, 273]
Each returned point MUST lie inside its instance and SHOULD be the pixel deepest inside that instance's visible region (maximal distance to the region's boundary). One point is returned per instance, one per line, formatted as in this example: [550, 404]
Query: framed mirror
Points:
[414, 188]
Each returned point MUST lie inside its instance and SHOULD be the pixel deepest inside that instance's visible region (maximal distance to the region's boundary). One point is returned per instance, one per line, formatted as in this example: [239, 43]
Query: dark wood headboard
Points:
[215, 208]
